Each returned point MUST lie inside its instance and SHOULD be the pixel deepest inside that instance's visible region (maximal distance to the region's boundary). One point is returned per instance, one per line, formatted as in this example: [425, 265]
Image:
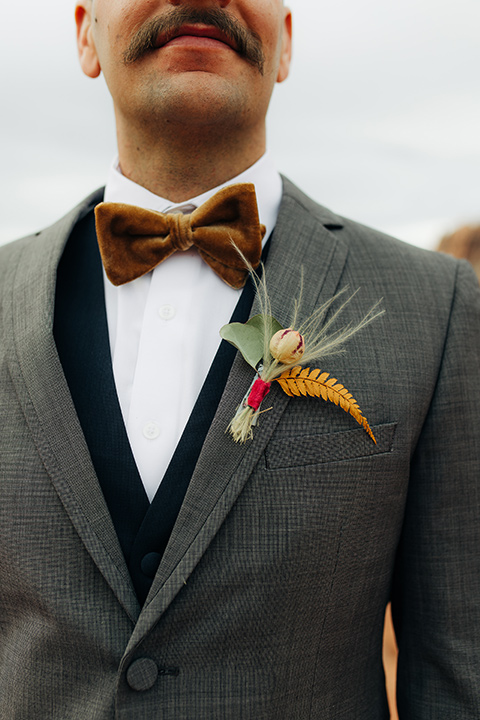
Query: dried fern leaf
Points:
[297, 382]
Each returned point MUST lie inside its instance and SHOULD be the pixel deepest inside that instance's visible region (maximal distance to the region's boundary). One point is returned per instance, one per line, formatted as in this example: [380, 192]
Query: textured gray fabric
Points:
[269, 601]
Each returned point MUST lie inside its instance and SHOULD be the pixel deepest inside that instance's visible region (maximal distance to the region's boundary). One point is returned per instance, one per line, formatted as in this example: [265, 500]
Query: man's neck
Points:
[181, 168]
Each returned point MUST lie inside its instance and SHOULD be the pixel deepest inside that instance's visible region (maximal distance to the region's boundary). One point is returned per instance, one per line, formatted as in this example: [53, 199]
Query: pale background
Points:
[380, 119]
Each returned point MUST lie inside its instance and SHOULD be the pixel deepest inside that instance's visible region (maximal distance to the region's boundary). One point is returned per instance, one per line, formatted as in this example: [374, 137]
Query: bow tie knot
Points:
[180, 230]
[133, 240]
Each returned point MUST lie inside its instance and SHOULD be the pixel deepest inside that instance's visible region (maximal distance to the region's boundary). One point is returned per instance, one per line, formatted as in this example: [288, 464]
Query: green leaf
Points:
[248, 337]
[267, 323]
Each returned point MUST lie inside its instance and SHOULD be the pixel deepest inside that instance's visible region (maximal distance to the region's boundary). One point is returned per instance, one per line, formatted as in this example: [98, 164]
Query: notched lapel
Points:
[301, 240]
[47, 404]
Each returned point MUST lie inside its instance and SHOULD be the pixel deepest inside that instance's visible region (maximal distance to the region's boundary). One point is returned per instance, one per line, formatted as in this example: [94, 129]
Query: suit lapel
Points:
[301, 239]
[47, 404]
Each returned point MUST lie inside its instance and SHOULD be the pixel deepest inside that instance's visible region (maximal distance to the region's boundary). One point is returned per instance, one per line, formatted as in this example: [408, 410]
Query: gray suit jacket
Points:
[269, 601]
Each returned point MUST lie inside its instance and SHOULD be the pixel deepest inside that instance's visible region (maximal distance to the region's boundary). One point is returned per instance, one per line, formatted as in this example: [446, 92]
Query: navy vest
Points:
[81, 335]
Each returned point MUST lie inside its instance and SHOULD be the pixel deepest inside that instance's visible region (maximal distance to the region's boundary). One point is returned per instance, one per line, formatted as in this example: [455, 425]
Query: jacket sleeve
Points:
[436, 589]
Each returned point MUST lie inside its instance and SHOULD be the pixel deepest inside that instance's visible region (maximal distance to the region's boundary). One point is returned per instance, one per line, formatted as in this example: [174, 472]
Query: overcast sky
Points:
[379, 120]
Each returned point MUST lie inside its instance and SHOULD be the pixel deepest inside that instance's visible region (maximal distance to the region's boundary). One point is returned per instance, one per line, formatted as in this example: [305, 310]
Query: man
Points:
[150, 566]
[463, 243]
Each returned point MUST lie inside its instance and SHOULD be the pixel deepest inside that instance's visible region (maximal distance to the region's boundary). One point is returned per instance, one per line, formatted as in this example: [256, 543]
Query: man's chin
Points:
[194, 94]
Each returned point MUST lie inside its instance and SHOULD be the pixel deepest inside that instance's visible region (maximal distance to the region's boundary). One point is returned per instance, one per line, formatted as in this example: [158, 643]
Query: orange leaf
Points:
[296, 382]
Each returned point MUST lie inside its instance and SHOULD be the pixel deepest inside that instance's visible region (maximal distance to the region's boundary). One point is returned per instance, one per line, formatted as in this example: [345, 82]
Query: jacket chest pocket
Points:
[331, 447]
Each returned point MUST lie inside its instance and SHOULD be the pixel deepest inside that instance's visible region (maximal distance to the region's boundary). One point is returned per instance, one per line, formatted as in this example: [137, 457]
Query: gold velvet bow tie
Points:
[133, 241]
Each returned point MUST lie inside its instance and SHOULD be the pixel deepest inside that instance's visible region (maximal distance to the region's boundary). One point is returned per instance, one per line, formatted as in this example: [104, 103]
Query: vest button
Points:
[149, 564]
[142, 674]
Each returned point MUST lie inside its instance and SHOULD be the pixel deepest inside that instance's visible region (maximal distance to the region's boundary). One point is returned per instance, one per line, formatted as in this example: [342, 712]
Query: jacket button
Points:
[142, 674]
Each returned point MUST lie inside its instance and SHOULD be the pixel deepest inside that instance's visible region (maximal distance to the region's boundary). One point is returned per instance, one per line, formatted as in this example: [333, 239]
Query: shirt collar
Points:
[263, 174]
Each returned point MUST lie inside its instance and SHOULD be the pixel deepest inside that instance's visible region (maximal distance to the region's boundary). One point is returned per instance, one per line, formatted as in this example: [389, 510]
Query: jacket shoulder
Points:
[381, 253]
[12, 253]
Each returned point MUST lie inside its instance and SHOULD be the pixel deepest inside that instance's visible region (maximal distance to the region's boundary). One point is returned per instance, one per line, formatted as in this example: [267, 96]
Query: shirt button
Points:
[151, 430]
[167, 312]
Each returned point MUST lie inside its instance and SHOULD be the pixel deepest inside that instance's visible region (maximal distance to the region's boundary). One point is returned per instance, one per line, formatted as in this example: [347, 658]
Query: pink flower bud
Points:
[287, 346]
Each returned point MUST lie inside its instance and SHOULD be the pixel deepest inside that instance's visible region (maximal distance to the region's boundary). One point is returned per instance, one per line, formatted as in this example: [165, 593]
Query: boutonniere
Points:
[285, 356]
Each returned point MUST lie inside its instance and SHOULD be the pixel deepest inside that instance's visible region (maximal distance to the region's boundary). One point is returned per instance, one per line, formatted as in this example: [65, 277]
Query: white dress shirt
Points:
[164, 327]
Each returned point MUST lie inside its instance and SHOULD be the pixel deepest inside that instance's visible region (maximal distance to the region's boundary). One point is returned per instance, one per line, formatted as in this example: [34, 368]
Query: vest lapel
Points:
[81, 335]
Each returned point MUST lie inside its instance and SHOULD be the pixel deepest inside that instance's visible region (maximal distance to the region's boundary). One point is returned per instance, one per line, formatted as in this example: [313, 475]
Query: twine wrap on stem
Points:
[249, 409]
[258, 392]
